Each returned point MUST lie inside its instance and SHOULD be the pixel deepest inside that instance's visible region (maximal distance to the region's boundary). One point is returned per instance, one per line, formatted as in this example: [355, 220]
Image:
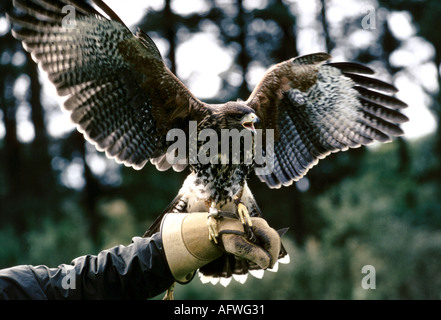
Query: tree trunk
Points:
[44, 181]
[329, 43]
[170, 34]
[243, 60]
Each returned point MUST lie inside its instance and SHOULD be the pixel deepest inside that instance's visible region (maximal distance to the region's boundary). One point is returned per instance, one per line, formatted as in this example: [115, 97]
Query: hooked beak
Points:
[249, 120]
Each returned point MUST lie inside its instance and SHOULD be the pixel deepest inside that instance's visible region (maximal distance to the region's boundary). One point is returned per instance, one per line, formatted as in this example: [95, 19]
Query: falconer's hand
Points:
[187, 246]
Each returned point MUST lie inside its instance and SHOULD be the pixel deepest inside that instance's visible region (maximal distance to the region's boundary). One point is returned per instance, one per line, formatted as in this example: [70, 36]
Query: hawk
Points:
[125, 100]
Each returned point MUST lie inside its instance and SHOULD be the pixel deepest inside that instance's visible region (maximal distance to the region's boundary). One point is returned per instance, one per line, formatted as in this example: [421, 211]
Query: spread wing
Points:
[121, 95]
[317, 107]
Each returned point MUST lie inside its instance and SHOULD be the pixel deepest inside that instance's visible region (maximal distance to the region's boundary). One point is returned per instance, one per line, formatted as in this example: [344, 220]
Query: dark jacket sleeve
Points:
[137, 271]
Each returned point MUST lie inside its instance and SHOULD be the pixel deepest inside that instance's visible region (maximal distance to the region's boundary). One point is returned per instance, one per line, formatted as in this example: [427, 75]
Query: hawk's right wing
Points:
[122, 97]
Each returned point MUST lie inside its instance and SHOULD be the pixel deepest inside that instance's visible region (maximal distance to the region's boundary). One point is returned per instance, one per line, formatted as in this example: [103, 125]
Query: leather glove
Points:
[187, 246]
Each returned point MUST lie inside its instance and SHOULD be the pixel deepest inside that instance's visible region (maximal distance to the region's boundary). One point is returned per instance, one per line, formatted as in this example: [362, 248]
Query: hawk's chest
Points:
[219, 182]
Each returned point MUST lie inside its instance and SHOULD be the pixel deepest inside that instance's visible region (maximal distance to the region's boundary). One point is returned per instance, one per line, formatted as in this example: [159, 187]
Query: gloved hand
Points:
[187, 246]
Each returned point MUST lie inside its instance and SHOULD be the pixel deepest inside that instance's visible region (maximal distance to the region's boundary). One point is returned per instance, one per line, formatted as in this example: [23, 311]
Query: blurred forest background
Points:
[378, 206]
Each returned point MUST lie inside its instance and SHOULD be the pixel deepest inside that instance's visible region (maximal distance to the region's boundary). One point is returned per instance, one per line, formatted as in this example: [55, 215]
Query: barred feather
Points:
[109, 74]
[341, 110]
[371, 82]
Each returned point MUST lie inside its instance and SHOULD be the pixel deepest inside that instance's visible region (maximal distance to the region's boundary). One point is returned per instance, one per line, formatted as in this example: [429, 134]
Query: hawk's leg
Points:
[244, 217]
[213, 215]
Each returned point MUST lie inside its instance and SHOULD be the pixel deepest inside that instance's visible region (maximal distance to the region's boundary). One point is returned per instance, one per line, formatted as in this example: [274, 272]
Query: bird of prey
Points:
[125, 100]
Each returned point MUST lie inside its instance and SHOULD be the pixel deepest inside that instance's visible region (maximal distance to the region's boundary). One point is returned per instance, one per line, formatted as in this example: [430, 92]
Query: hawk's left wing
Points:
[317, 108]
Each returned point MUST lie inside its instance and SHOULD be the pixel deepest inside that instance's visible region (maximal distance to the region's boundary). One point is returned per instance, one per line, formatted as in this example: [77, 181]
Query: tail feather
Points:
[228, 267]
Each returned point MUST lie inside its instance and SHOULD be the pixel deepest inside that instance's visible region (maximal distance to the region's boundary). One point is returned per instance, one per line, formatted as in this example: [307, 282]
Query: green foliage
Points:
[56, 242]
[50, 242]
[10, 250]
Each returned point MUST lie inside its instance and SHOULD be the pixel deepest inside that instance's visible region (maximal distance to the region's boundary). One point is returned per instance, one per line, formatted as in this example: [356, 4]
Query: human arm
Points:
[136, 271]
[141, 270]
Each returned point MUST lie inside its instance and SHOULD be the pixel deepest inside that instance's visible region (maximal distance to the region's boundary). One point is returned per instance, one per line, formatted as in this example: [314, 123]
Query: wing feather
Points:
[121, 95]
[318, 107]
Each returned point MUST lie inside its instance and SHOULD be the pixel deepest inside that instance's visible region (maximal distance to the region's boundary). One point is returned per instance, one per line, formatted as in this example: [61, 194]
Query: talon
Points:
[245, 218]
[212, 229]
[244, 214]
[212, 223]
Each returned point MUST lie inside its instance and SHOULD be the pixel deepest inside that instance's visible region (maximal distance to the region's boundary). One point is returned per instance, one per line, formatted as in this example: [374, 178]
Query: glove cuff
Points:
[186, 244]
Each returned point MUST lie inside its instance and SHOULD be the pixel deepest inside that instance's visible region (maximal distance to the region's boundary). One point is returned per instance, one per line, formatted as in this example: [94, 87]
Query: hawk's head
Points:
[236, 115]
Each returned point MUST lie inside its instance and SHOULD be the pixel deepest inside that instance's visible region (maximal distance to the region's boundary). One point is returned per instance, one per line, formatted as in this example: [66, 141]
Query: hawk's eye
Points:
[238, 117]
